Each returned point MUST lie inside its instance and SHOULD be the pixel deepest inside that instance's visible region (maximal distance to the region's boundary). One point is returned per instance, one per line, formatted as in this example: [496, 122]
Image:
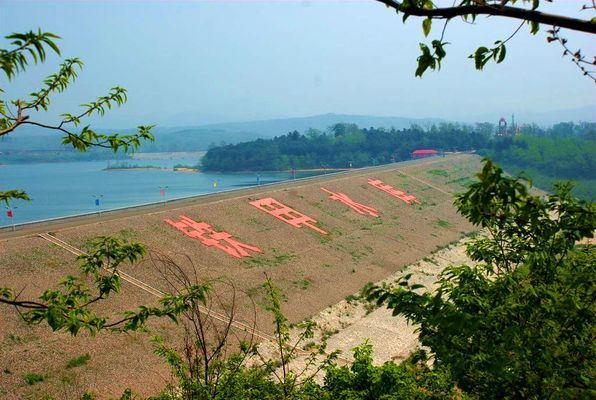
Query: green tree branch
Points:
[470, 9]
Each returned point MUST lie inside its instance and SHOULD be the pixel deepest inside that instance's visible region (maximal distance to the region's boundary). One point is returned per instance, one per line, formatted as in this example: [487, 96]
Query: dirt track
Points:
[312, 271]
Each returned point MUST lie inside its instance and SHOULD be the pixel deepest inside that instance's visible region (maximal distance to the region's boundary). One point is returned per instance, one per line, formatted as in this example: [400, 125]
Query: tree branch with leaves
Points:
[33, 47]
[69, 307]
[469, 10]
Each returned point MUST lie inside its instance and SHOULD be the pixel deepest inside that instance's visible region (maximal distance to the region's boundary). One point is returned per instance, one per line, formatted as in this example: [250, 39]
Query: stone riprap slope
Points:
[311, 270]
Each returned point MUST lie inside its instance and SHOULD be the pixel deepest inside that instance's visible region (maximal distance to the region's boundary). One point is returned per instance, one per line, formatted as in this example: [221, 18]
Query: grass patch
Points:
[438, 172]
[33, 255]
[128, 234]
[14, 339]
[303, 283]
[357, 255]
[258, 294]
[352, 298]
[32, 378]
[446, 246]
[471, 235]
[324, 239]
[254, 291]
[369, 307]
[78, 361]
[360, 254]
[259, 223]
[465, 181]
[327, 333]
[275, 260]
[309, 346]
[321, 206]
[282, 258]
[430, 260]
[372, 223]
[441, 223]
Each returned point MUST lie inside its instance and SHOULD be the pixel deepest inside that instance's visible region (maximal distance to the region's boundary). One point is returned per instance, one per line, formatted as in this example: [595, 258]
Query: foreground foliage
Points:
[521, 323]
[411, 379]
[248, 374]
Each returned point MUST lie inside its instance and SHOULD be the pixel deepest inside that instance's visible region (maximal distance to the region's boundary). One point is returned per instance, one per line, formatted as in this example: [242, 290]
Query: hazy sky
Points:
[201, 62]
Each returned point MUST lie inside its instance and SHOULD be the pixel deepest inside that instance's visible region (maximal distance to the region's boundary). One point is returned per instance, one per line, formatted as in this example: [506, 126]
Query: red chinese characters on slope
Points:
[286, 214]
[406, 198]
[223, 241]
[358, 207]
[209, 237]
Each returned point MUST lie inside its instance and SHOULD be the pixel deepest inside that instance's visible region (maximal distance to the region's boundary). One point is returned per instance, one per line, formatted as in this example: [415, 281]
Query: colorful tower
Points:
[502, 129]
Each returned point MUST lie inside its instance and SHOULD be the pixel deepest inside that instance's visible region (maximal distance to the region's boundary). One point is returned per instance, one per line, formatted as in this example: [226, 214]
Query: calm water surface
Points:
[63, 189]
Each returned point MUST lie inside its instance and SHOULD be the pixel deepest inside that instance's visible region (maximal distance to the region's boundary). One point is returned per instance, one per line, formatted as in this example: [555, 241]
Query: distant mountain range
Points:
[275, 127]
[197, 138]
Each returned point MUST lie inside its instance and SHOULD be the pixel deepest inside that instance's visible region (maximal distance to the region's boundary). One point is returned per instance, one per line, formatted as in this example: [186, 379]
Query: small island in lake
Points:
[186, 168]
[119, 166]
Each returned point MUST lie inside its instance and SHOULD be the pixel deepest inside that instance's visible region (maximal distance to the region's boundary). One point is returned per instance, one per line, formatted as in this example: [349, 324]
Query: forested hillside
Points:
[563, 152]
[344, 145]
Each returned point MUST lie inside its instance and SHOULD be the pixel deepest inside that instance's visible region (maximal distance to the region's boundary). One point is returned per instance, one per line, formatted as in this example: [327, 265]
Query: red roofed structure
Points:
[424, 153]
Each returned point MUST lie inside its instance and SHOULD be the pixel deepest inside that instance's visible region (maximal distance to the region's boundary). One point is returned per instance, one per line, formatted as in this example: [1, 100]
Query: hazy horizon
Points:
[197, 62]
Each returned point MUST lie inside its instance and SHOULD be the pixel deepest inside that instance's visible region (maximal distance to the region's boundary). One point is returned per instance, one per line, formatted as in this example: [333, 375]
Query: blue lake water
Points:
[63, 189]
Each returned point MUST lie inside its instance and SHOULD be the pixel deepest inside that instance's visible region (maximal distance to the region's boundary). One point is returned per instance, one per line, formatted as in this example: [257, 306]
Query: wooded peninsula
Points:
[564, 151]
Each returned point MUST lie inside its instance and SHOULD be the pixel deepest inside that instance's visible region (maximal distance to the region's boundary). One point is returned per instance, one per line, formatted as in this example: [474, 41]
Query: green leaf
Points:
[13, 194]
[502, 53]
[479, 57]
[426, 26]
